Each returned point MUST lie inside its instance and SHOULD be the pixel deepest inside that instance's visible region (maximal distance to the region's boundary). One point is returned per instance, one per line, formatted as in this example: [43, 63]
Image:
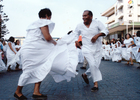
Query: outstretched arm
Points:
[47, 36]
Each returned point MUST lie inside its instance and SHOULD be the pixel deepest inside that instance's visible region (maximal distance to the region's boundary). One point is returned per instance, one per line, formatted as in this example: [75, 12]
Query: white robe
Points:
[39, 56]
[2, 65]
[136, 48]
[65, 63]
[107, 52]
[117, 52]
[10, 55]
[127, 52]
[92, 51]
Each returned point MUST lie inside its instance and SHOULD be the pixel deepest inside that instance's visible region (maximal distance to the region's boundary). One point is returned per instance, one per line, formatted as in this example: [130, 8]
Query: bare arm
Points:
[46, 34]
[9, 44]
[132, 43]
[93, 40]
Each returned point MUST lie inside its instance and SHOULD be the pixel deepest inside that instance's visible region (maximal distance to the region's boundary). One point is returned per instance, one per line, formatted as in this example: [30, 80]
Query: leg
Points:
[17, 66]
[19, 91]
[9, 69]
[84, 64]
[94, 62]
[131, 60]
[36, 88]
[18, 94]
[36, 93]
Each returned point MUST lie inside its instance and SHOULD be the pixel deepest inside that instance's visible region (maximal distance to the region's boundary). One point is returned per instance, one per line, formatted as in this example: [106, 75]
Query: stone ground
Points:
[120, 82]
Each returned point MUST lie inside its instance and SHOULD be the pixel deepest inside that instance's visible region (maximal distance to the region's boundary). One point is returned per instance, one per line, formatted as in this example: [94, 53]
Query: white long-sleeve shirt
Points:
[87, 34]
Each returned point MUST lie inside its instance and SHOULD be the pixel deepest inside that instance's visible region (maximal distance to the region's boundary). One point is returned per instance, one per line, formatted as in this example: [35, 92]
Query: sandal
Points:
[20, 98]
[94, 89]
[39, 96]
[126, 63]
[85, 78]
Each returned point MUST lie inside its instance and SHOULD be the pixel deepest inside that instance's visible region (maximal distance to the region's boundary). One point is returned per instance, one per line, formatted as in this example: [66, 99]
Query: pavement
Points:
[120, 82]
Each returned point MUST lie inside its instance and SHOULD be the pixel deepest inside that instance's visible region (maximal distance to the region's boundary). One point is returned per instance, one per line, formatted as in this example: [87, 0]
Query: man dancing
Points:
[91, 31]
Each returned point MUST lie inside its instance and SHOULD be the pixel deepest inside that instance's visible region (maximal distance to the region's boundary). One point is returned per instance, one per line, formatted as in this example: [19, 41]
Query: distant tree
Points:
[3, 18]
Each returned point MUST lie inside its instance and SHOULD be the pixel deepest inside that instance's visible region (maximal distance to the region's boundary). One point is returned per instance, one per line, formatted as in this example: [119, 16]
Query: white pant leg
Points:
[94, 62]
[85, 63]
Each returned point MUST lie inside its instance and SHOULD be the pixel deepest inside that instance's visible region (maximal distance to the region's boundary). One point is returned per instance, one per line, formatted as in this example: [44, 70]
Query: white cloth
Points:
[2, 65]
[136, 48]
[128, 53]
[10, 55]
[117, 52]
[4, 48]
[65, 63]
[39, 57]
[80, 56]
[17, 46]
[19, 62]
[107, 51]
[91, 50]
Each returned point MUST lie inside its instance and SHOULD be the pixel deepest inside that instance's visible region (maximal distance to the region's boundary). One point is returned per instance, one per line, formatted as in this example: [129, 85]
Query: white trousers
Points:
[94, 61]
[85, 63]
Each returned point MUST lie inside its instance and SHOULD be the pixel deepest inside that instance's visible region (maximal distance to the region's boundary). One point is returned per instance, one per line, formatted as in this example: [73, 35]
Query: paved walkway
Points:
[120, 82]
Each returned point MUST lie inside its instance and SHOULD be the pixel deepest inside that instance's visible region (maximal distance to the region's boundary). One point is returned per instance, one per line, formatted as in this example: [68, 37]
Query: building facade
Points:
[122, 18]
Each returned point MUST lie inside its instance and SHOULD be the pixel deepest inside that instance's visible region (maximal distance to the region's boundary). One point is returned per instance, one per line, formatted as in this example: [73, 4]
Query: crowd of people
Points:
[40, 54]
[126, 49]
[8, 50]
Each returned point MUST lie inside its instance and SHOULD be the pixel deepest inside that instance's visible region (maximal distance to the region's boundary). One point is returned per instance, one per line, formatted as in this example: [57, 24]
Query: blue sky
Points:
[65, 13]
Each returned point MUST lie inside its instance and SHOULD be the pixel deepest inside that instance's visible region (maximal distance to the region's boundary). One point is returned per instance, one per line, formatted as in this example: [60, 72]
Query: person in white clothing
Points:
[128, 42]
[17, 45]
[136, 49]
[107, 55]
[91, 31]
[4, 51]
[116, 53]
[10, 54]
[40, 55]
[35, 64]
[2, 65]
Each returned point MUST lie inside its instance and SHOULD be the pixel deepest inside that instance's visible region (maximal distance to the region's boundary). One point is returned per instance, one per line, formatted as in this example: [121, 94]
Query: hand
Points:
[93, 40]
[77, 44]
[128, 46]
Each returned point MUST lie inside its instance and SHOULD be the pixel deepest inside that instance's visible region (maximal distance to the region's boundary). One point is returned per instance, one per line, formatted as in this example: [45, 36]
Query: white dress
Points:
[39, 57]
[19, 62]
[127, 52]
[107, 52]
[116, 53]
[65, 63]
[92, 51]
[2, 65]
[136, 48]
[10, 55]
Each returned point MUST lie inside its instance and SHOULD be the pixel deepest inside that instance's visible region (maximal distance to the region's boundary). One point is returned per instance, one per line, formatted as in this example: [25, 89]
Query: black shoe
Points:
[94, 89]
[20, 98]
[83, 67]
[39, 96]
[85, 78]
[138, 67]
[76, 70]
